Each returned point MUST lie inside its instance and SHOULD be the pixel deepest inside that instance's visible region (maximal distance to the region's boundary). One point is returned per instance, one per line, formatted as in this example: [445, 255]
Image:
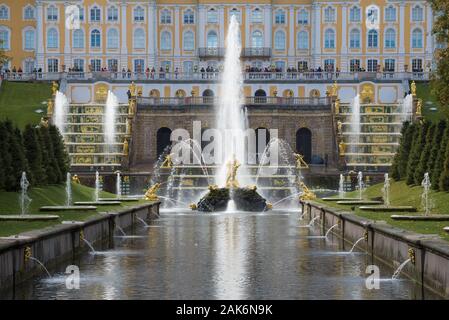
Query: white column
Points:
[268, 33]
[201, 25]
[67, 46]
[152, 34]
[316, 35]
[124, 47]
[247, 26]
[222, 26]
[177, 51]
[344, 41]
[40, 36]
[402, 29]
[291, 38]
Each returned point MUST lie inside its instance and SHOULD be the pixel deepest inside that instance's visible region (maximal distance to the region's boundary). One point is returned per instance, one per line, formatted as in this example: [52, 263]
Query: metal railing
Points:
[256, 52]
[211, 52]
[214, 76]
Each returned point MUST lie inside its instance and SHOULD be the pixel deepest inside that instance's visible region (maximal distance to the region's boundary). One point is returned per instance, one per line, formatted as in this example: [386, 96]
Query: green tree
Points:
[439, 161]
[5, 157]
[436, 146]
[415, 153]
[3, 57]
[33, 154]
[423, 165]
[49, 161]
[18, 159]
[444, 179]
[404, 149]
[60, 155]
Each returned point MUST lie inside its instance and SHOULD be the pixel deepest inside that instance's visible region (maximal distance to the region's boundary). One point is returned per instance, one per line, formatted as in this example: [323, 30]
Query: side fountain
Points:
[97, 201]
[360, 200]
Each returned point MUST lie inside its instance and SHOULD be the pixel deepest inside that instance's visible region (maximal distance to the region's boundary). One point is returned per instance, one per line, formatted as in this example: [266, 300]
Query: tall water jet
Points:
[230, 115]
[360, 184]
[97, 186]
[341, 186]
[24, 199]
[68, 189]
[355, 123]
[425, 195]
[386, 190]
[118, 185]
[407, 108]
[109, 121]
[60, 113]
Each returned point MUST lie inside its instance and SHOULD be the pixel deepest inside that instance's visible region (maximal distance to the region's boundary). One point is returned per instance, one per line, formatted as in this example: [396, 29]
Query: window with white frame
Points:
[329, 14]
[189, 17]
[390, 14]
[417, 13]
[52, 65]
[139, 65]
[354, 39]
[354, 65]
[95, 65]
[78, 65]
[187, 66]
[236, 13]
[257, 39]
[354, 14]
[4, 12]
[329, 39]
[279, 40]
[81, 13]
[4, 38]
[78, 39]
[188, 41]
[95, 14]
[390, 38]
[329, 64]
[165, 40]
[29, 65]
[417, 65]
[372, 38]
[212, 39]
[372, 65]
[29, 39]
[417, 38]
[165, 16]
[279, 17]
[113, 65]
[139, 39]
[139, 14]
[303, 17]
[166, 65]
[112, 39]
[389, 65]
[112, 14]
[95, 39]
[302, 65]
[52, 13]
[52, 38]
[280, 65]
[28, 13]
[256, 16]
[212, 16]
[303, 40]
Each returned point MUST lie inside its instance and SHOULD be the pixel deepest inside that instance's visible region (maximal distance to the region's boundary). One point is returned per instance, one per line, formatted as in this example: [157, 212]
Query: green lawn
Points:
[19, 101]
[403, 195]
[423, 91]
[51, 195]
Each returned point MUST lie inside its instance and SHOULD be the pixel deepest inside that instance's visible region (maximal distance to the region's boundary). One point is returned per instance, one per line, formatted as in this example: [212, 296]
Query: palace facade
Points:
[184, 36]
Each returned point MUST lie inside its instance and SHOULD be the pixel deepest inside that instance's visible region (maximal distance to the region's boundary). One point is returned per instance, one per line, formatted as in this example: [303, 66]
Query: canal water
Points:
[187, 255]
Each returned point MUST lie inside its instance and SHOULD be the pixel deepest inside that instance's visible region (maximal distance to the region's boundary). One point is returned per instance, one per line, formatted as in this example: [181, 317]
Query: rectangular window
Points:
[329, 65]
[78, 65]
[139, 65]
[279, 17]
[187, 66]
[29, 66]
[113, 65]
[95, 65]
[257, 16]
[53, 65]
[166, 65]
[372, 65]
[280, 66]
[302, 65]
[417, 65]
[389, 65]
[354, 65]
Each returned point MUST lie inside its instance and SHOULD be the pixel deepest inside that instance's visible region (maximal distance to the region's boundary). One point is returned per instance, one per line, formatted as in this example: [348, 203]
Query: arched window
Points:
[212, 16]
[139, 39]
[417, 13]
[390, 38]
[303, 40]
[112, 39]
[28, 13]
[78, 39]
[212, 39]
[166, 40]
[329, 14]
[95, 39]
[372, 38]
[29, 41]
[417, 38]
[112, 13]
[354, 39]
[189, 17]
[257, 39]
[304, 144]
[165, 16]
[390, 14]
[139, 14]
[95, 14]
[52, 13]
[354, 14]
[52, 38]
[279, 17]
[329, 39]
[303, 17]
[4, 13]
[188, 41]
[4, 38]
[256, 16]
[279, 40]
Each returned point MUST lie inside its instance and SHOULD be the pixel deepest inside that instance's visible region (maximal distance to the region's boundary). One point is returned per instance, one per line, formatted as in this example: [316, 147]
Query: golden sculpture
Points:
[132, 107]
[307, 194]
[367, 93]
[339, 127]
[269, 205]
[337, 106]
[132, 89]
[300, 163]
[334, 90]
[129, 126]
[168, 162]
[139, 92]
[252, 187]
[27, 254]
[101, 92]
[342, 148]
[75, 179]
[50, 107]
[193, 206]
[54, 87]
[125, 147]
[231, 175]
[212, 187]
[150, 195]
[413, 88]
[419, 107]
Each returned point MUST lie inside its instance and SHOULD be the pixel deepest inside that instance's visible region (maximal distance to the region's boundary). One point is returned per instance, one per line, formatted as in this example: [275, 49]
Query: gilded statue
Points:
[307, 194]
[413, 88]
[339, 127]
[269, 205]
[419, 107]
[54, 87]
[168, 162]
[193, 206]
[132, 89]
[300, 163]
[342, 148]
[337, 106]
[75, 179]
[212, 187]
[50, 107]
[151, 192]
[125, 147]
[334, 89]
[129, 126]
[132, 105]
[231, 175]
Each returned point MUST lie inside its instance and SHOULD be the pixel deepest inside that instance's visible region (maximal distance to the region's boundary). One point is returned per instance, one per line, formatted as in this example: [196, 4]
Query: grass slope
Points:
[403, 195]
[19, 101]
[423, 91]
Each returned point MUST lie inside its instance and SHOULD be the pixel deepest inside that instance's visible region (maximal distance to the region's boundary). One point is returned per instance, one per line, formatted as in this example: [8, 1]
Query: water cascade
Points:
[60, 113]
[355, 122]
[407, 108]
[110, 121]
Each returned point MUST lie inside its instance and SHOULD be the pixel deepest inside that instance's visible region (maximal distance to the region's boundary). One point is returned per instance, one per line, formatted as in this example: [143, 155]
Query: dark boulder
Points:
[214, 200]
[248, 199]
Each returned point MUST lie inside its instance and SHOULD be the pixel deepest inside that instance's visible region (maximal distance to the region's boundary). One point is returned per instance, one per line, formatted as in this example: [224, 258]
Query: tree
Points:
[3, 57]
[18, 159]
[33, 154]
[415, 154]
[403, 151]
[440, 80]
[50, 163]
[444, 179]
[423, 165]
[60, 154]
[440, 159]
[436, 146]
[5, 157]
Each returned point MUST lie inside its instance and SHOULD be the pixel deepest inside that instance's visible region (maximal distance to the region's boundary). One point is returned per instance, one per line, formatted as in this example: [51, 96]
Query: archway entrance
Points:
[260, 96]
[162, 140]
[304, 143]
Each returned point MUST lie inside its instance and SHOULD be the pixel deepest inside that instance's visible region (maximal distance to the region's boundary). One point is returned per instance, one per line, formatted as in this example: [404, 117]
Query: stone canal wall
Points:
[429, 253]
[62, 242]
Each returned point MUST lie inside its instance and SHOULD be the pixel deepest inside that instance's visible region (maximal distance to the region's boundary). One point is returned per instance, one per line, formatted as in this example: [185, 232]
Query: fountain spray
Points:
[425, 196]
[60, 113]
[97, 186]
[386, 190]
[341, 186]
[24, 199]
[360, 184]
[118, 185]
[109, 121]
[68, 189]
